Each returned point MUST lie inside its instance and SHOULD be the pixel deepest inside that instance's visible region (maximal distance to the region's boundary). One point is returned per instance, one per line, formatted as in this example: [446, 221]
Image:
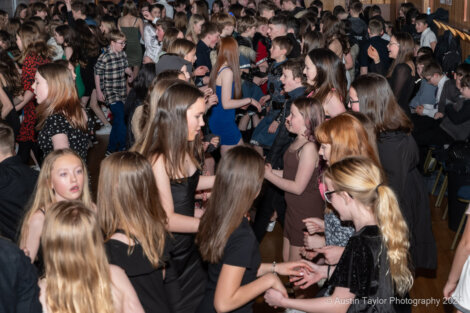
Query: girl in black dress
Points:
[374, 266]
[399, 156]
[227, 241]
[172, 147]
[134, 225]
[62, 122]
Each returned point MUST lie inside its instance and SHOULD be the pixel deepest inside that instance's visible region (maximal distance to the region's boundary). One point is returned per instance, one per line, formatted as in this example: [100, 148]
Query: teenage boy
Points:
[290, 7]
[39, 9]
[426, 93]
[375, 41]
[210, 35]
[434, 76]
[278, 27]
[17, 182]
[264, 134]
[266, 9]
[75, 11]
[428, 38]
[358, 26]
[273, 197]
[110, 80]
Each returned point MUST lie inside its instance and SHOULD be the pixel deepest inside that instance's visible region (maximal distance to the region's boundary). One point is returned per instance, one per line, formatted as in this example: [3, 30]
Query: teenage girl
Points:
[299, 179]
[78, 277]
[63, 176]
[374, 267]
[227, 242]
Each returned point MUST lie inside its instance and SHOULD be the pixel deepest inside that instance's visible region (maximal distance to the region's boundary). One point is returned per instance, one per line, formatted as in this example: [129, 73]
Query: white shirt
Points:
[152, 46]
[168, 8]
[427, 36]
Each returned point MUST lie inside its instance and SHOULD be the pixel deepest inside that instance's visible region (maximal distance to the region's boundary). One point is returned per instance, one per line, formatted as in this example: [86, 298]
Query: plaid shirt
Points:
[111, 68]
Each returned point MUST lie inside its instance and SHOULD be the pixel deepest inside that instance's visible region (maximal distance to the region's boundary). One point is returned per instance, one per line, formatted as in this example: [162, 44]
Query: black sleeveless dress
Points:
[191, 274]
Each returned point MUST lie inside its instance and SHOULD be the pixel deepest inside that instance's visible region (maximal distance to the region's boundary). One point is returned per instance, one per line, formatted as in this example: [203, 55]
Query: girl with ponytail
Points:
[374, 268]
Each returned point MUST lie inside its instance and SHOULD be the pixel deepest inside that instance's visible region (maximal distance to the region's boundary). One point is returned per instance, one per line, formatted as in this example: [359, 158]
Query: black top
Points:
[203, 57]
[146, 280]
[13, 120]
[241, 250]
[17, 182]
[186, 261]
[364, 269]
[399, 157]
[19, 290]
[58, 124]
[296, 51]
[381, 46]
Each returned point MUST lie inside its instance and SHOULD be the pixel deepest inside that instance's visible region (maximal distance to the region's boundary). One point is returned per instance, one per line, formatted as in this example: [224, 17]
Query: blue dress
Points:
[222, 121]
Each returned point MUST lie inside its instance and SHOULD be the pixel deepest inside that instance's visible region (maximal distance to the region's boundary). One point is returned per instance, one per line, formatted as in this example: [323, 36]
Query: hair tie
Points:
[377, 188]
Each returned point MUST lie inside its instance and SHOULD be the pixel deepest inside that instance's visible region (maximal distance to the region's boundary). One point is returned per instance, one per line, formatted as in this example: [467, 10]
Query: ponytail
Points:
[395, 236]
[362, 179]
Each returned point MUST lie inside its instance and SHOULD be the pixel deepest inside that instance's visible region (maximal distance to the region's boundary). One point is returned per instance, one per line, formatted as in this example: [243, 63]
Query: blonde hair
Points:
[33, 42]
[181, 47]
[77, 270]
[44, 195]
[363, 180]
[128, 200]
[193, 20]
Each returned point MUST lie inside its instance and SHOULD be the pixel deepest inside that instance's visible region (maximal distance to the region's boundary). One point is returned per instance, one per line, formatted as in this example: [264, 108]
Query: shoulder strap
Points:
[223, 68]
[135, 21]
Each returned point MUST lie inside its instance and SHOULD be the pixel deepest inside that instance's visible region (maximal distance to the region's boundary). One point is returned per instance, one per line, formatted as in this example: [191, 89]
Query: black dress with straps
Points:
[185, 257]
[145, 278]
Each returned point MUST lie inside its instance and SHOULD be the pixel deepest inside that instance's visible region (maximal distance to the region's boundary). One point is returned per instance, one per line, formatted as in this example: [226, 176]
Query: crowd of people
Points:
[223, 117]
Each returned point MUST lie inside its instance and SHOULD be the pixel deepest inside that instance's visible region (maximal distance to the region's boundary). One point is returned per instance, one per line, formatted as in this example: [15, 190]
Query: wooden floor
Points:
[428, 287]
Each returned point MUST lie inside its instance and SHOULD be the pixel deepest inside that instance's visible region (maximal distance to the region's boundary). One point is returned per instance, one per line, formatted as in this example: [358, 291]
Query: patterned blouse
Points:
[58, 124]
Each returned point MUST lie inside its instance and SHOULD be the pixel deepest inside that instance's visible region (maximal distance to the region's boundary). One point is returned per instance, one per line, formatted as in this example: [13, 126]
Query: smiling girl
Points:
[63, 177]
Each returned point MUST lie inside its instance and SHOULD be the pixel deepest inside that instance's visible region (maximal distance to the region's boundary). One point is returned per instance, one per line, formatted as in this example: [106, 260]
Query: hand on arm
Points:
[332, 253]
[373, 54]
[314, 225]
[229, 294]
[226, 77]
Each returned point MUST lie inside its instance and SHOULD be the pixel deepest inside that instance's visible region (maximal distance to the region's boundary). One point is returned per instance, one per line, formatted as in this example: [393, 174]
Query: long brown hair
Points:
[128, 200]
[77, 270]
[377, 101]
[228, 53]
[237, 184]
[364, 181]
[61, 98]
[168, 130]
[406, 51]
[331, 75]
[347, 137]
[313, 114]
[33, 41]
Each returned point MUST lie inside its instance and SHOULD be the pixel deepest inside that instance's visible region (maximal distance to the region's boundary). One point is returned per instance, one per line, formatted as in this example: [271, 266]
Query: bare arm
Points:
[226, 77]
[7, 106]
[307, 163]
[338, 302]
[205, 182]
[461, 255]
[229, 294]
[141, 27]
[60, 141]
[176, 222]
[130, 301]
[31, 242]
[28, 96]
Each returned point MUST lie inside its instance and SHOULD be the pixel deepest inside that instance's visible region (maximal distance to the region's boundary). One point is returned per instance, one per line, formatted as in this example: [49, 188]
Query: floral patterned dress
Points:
[30, 65]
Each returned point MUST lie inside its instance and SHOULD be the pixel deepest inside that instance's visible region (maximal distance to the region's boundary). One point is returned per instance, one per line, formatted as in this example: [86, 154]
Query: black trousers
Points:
[271, 199]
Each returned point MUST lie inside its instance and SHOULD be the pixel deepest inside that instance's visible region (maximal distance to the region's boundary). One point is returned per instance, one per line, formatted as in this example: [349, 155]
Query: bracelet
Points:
[274, 267]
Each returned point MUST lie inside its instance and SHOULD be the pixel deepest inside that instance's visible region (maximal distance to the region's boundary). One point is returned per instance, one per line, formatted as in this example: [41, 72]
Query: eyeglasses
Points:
[351, 101]
[393, 43]
[122, 43]
[328, 194]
